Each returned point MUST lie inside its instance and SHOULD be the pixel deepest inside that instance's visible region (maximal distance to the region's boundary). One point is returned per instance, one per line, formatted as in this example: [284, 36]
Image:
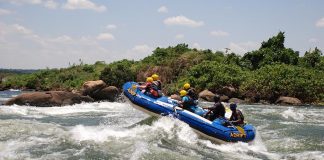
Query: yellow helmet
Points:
[149, 79]
[155, 77]
[183, 93]
[186, 86]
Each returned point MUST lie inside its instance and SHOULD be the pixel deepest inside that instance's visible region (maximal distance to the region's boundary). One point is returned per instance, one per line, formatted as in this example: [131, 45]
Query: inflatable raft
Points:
[214, 130]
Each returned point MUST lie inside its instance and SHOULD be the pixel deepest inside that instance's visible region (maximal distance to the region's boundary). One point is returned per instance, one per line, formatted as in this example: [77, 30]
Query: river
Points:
[109, 130]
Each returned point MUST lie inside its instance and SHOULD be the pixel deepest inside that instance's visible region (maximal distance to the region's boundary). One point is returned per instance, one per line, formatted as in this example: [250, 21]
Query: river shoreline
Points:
[242, 102]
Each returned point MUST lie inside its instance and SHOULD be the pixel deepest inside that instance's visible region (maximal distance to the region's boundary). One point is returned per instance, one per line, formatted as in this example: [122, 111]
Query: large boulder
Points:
[227, 91]
[288, 101]
[90, 88]
[98, 90]
[207, 95]
[108, 93]
[236, 100]
[224, 98]
[176, 97]
[48, 99]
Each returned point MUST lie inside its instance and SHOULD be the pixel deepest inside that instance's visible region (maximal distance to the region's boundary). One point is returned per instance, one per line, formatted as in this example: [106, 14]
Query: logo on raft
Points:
[238, 135]
[132, 90]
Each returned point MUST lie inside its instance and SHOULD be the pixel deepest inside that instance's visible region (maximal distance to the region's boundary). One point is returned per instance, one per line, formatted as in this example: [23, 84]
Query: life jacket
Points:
[154, 90]
[234, 117]
[192, 93]
[187, 104]
[158, 83]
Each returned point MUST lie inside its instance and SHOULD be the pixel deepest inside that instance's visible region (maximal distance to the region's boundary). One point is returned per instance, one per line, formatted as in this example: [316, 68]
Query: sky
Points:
[38, 34]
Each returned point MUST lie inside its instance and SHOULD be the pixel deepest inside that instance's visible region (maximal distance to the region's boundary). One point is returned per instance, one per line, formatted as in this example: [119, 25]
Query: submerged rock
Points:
[48, 99]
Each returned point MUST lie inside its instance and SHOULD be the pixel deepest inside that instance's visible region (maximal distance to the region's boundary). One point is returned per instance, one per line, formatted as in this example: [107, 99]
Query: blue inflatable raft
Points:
[213, 130]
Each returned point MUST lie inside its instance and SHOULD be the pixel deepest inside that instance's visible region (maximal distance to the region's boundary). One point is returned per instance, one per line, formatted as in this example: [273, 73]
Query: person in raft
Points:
[157, 83]
[191, 92]
[149, 88]
[188, 103]
[237, 117]
[216, 111]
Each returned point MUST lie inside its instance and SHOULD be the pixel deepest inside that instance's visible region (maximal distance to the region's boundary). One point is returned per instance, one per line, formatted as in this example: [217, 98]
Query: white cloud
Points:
[62, 39]
[105, 36]
[196, 45]
[183, 21]
[111, 26]
[51, 4]
[20, 2]
[83, 4]
[242, 48]
[320, 22]
[4, 12]
[219, 33]
[22, 48]
[179, 36]
[21, 29]
[313, 40]
[163, 9]
[138, 52]
[144, 48]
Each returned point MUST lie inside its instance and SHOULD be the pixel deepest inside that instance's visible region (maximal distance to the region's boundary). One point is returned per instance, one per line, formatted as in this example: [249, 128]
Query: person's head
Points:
[233, 106]
[155, 77]
[149, 79]
[216, 98]
[186, 86]
[183, 93]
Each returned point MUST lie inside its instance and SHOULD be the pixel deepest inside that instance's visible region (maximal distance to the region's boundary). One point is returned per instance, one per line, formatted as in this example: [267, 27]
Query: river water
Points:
[108, 130]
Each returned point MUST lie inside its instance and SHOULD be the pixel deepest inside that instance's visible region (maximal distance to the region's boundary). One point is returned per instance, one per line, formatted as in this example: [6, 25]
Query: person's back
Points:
[149, 88]
[237, 117]
[191, 92]
[216, 111]
[186, 101]
[156, 81]
[157, 84]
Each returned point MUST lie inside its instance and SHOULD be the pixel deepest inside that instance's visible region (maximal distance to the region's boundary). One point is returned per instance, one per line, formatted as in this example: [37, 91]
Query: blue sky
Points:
[46, 33]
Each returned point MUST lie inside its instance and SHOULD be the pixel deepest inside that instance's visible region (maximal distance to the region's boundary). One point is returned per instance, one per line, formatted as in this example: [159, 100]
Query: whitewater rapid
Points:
[109, 130]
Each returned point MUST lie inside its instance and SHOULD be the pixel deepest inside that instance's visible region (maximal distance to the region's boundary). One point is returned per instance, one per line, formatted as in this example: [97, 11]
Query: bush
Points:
[272, 81]
[214, 75]
[118, 73]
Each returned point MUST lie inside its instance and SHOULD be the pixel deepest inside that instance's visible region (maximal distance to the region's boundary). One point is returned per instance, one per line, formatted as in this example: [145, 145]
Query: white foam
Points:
[241, 150]
[314, 155]
[294, 114]
[139, 148]
[169, 127]
[39, 112]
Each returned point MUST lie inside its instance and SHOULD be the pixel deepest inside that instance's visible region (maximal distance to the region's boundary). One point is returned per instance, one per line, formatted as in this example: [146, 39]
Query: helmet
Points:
[149, 79]
[216, 98]
[155, 77]
[186, 86]
[233, 106]
[183, 93]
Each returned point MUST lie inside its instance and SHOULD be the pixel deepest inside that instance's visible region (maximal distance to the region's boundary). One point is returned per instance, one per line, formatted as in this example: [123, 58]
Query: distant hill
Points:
[18, 71]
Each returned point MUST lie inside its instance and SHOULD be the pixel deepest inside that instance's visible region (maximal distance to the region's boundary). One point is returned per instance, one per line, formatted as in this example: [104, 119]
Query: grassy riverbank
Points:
[267, 73]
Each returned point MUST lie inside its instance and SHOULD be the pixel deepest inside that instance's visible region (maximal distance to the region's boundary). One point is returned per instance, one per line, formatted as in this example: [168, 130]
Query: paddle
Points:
[239, 128]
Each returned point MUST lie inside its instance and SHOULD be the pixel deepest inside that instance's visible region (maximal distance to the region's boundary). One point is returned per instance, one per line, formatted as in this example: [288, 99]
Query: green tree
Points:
[312, 58]
[118, 73]
[271, 52]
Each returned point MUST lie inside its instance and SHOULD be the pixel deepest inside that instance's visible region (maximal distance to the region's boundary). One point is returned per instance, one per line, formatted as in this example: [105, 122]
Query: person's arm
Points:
[239, 118]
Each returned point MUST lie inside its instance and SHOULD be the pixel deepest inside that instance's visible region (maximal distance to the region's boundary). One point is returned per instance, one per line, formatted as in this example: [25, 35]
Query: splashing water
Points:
[108, 130]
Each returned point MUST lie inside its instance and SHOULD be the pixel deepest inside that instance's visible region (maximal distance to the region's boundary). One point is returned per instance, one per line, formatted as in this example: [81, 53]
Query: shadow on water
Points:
[147, 121]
